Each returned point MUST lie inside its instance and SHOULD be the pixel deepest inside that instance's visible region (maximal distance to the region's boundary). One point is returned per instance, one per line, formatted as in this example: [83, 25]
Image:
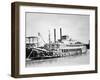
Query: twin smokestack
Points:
[55, 34]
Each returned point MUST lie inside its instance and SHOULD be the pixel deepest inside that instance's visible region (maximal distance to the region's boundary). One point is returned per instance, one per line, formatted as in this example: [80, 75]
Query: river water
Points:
[61, 61]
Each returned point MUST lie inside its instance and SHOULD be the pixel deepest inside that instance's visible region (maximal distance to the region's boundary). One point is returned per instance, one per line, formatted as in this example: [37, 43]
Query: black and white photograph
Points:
[57, 39]
[53, 39]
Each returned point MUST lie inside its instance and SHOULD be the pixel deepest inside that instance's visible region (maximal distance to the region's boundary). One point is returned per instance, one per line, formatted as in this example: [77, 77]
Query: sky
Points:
[76, 26]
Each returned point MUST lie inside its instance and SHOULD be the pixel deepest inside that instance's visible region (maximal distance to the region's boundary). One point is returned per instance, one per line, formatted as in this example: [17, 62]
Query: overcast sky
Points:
[76, 26]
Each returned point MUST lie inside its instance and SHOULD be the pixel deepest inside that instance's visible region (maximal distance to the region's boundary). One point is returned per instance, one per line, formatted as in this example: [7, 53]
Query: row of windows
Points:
[66, 50]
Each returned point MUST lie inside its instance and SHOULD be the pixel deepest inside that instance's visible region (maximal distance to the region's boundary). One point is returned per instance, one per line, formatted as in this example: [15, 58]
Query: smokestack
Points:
[54, 35]
[60, 34]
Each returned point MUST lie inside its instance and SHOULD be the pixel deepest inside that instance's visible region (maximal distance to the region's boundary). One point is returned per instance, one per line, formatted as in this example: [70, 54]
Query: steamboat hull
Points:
[36, 54]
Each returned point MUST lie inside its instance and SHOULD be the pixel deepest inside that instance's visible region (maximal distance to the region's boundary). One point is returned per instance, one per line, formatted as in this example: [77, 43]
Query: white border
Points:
[24, 70]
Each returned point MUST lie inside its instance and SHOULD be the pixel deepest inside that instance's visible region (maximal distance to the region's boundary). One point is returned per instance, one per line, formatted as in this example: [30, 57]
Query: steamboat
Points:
[65, 46]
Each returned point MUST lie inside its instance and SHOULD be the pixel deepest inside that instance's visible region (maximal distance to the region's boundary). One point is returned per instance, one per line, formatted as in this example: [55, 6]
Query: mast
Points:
[49, 40]
[37, 42]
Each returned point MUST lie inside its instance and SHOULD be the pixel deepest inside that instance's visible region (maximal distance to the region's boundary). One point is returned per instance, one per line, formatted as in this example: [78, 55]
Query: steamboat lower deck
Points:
[62, 61]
